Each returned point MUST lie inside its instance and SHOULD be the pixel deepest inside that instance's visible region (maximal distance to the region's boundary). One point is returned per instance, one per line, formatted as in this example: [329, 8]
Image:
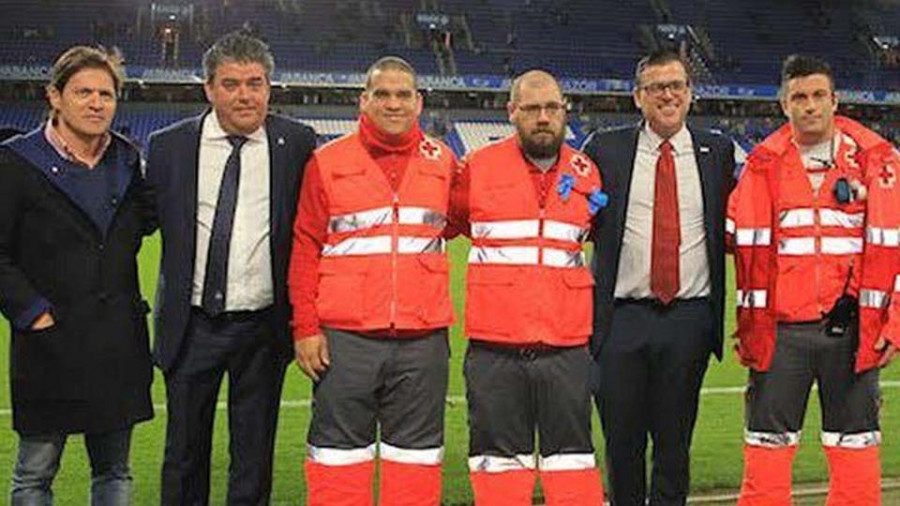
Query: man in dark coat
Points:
[659, 297]
[72, 216]
[226, 185]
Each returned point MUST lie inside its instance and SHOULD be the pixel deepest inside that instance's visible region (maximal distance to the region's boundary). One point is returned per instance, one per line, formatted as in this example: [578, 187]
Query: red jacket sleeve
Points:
[310, 232]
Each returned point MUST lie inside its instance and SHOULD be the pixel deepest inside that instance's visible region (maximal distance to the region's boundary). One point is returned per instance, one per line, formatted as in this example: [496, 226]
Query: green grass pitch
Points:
[716, 458]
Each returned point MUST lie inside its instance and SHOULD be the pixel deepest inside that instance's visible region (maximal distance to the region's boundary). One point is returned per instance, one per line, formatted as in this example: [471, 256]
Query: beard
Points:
[542, 146]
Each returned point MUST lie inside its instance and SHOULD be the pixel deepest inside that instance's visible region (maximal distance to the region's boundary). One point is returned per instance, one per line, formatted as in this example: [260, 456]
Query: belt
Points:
[656, 303]
[232, 316]
[528, 351]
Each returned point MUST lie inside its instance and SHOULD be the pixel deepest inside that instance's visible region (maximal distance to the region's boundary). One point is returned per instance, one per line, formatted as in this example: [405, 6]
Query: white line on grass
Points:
[461, 399]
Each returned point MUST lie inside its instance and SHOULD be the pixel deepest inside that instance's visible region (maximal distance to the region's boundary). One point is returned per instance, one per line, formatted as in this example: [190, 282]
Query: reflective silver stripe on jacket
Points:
[381, 244]
[888, 237]
[752, 236]
[525, 255]
[360, 220]
[385, 216]
[421, 216]
[564, 231]
[830, 245]
[792, 218]
[872, 298]
[836, 218]
[509, 229]
[528, 229]
[805, 217]
[751, 298]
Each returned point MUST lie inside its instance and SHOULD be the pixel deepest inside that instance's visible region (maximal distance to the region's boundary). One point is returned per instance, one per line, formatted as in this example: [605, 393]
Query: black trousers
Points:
[648, 376]
[392, 388]
[244, 346]
[514, 392]
[776, 399]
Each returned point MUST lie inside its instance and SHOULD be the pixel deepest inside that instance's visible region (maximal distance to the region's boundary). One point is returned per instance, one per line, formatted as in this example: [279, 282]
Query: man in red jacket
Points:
[369, 285]
[526, 202]
[813, 222]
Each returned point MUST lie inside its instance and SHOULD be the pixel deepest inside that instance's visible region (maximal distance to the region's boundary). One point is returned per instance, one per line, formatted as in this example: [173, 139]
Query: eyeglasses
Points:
[552, 108]
[658, 88]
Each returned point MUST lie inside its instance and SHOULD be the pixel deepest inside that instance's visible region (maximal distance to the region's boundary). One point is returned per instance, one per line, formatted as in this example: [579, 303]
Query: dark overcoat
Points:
[91, 371]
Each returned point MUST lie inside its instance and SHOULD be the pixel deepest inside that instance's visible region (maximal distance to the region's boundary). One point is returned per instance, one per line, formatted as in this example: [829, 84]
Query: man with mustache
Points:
[526, 202]
[660, 265]
[814, 224]
[226, 185]
[369, 283]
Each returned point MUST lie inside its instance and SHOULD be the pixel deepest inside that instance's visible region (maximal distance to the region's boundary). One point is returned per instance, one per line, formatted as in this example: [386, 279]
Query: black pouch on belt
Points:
[843, 315]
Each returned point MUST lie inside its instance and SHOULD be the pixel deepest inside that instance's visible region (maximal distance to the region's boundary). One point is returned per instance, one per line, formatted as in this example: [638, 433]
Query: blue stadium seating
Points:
[575, 38]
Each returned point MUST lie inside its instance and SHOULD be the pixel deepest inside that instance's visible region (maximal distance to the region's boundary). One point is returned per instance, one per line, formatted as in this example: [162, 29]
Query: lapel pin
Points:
[281, 141]
[54, 169]
[704, 149]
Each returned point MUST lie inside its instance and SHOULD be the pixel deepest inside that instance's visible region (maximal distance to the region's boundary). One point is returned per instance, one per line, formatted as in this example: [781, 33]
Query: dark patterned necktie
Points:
[214, 283]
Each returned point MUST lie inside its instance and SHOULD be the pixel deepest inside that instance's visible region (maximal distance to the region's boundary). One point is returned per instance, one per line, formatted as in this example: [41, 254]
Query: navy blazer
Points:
[614, 154]
[172, 176]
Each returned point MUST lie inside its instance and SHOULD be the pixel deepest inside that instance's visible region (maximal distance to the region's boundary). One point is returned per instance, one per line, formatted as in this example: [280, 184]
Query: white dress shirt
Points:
[633, 278]
[249, 284]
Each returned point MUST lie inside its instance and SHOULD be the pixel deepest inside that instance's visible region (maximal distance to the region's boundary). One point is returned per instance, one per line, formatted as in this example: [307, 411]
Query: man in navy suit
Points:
[660, 271]
[226, 186]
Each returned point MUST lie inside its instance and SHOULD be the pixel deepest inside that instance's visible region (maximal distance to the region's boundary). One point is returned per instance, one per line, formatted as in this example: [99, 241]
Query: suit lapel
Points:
[626, 173]
[703, 156]
[189, 171]
[278, 163]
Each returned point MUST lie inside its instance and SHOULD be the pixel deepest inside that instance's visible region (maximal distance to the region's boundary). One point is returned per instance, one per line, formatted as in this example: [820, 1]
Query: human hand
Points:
[44, 321]
[312, 356]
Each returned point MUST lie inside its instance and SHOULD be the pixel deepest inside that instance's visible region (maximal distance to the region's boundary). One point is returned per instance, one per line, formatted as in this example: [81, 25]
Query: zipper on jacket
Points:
[817, 251]
[541, 214]
[395, 243]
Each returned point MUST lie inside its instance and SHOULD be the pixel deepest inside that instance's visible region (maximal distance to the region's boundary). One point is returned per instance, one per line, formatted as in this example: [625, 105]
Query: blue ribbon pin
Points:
[564, 188]
[597, 200]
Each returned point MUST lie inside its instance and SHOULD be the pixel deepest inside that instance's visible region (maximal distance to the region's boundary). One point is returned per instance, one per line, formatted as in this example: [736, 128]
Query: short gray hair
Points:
[238, 47]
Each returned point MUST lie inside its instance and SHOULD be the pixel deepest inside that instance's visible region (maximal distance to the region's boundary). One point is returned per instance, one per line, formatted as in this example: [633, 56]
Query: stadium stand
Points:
[731, 40]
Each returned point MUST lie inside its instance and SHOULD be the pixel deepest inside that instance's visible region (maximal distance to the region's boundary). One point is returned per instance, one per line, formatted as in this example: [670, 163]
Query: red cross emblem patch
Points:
[429, 149]
[580, 165]
[887, 176]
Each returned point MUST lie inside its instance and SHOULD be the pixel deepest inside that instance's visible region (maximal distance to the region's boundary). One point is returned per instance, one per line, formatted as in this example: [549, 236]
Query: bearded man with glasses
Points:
[526, 202]
[660, 266]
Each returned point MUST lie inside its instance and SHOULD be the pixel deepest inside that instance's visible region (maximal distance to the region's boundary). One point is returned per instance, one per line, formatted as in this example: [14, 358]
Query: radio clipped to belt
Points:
[844, 315]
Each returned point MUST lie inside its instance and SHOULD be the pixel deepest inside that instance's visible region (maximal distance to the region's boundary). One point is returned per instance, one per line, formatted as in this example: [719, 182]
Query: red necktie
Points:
[664, 276]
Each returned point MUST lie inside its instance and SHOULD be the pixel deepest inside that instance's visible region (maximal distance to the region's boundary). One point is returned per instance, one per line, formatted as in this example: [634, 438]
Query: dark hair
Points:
[237, 46]
[78, 58]
[797, 65]
[391, 63]
[659, 57]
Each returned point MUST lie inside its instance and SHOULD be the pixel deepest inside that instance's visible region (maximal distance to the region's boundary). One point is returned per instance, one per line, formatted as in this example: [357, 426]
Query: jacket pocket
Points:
[432, 292]
[341, 296]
